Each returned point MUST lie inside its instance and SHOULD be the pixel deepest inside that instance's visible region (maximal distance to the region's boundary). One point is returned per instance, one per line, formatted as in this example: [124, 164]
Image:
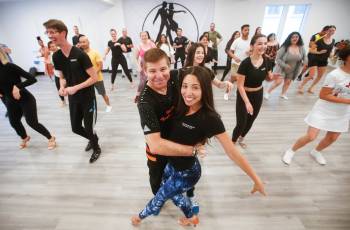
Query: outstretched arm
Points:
[234, 154]
[179, 11]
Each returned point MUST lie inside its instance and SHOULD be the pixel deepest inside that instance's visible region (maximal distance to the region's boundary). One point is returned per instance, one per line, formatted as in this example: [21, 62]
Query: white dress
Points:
[330, 116]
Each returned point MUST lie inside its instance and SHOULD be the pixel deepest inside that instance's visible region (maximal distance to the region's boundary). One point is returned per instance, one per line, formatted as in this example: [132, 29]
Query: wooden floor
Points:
[59, 189]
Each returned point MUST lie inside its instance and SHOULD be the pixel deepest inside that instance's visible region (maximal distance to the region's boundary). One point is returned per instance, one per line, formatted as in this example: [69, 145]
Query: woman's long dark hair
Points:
[191, 52]
[270, 35]
[207, 100]
[160, 40]
[234, 35]
[288, 42]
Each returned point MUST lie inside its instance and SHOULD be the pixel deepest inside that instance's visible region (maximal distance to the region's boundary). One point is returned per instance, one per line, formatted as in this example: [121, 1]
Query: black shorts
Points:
[315, 61]
[100, 87]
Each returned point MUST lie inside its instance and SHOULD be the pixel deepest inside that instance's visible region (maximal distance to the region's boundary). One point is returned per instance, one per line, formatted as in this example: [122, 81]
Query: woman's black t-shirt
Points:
[10, 75]
[321, 45]
[254, 76]
[191, 130]
[117, 51]
[209, 56]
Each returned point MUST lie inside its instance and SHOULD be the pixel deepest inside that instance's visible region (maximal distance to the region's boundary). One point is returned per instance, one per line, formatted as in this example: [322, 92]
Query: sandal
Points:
[241, 143]
[52, 143]
[24, 142]
[135, 220]
[193, 221]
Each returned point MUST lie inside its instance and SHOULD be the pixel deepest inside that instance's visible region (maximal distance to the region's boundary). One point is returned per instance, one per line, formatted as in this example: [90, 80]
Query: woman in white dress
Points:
[330, 113]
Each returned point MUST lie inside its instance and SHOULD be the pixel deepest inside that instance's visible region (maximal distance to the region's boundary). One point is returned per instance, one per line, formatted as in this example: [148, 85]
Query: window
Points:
[272, 19]
[284, 19]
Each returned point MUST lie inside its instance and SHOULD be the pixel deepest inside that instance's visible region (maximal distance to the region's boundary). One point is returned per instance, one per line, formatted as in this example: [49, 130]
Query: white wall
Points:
[21, 21]
[231, 14]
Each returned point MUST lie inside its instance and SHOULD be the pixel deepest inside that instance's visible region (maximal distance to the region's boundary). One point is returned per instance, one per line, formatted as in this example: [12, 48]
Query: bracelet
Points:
[194, 151]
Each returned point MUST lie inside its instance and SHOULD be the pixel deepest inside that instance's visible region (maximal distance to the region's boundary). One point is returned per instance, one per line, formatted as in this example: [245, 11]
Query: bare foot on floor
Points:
[135, 220]
[193, 221]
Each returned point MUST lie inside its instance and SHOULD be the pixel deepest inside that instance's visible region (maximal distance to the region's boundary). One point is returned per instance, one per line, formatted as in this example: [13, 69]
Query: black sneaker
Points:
[88, 147]
[95, 155]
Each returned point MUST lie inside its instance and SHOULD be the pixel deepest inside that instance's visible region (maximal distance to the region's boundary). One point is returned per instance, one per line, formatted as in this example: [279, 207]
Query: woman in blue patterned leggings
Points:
[196, 121]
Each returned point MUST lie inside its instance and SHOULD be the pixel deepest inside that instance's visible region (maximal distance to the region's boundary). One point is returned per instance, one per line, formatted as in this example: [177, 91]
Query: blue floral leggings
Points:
[174, 184]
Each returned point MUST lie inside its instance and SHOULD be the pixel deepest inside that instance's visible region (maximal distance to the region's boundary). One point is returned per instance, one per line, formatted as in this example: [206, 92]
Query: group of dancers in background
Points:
[176, 107]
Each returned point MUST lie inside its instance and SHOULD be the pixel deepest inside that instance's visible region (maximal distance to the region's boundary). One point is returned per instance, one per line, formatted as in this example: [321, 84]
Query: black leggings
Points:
[115, 64]
[84, 112]
[215, 57]
[57, 81]
[243, 119]
[26, 106]
[227, 68]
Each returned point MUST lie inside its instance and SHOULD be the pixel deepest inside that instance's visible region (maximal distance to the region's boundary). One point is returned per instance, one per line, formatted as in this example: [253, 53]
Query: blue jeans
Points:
[174, 184]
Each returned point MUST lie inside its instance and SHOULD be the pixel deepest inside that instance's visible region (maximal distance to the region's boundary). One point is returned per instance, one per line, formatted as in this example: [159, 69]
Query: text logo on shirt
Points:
[187, 126]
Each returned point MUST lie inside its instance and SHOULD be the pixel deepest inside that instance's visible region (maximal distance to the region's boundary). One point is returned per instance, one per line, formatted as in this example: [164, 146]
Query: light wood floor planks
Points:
[60, 190]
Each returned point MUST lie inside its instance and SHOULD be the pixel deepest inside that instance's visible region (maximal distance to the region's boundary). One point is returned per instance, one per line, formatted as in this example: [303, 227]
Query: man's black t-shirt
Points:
[126, 41]
[254, 76]
[180, 41]
[155, 108]
[75, 39]
[74, 72]
[191, 130]
[117, 51]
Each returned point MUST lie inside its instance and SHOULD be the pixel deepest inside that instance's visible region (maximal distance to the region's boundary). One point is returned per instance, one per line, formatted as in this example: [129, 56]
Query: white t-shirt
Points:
[339, 81]
[167, 49]
[240, 48]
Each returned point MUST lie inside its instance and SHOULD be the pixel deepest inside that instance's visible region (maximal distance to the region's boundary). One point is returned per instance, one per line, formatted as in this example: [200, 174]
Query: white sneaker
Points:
[226, 96]
[318, 157]
[288, 156]
[108, 109]
[62, 103]
[267, 96]
[284, 97]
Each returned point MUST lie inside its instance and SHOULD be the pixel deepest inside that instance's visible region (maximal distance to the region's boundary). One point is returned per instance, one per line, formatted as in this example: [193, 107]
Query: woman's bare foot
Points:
[135, 220]
[52, 143]
[24, 142]
[310, 91]
[184, 221]
[300, 90]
